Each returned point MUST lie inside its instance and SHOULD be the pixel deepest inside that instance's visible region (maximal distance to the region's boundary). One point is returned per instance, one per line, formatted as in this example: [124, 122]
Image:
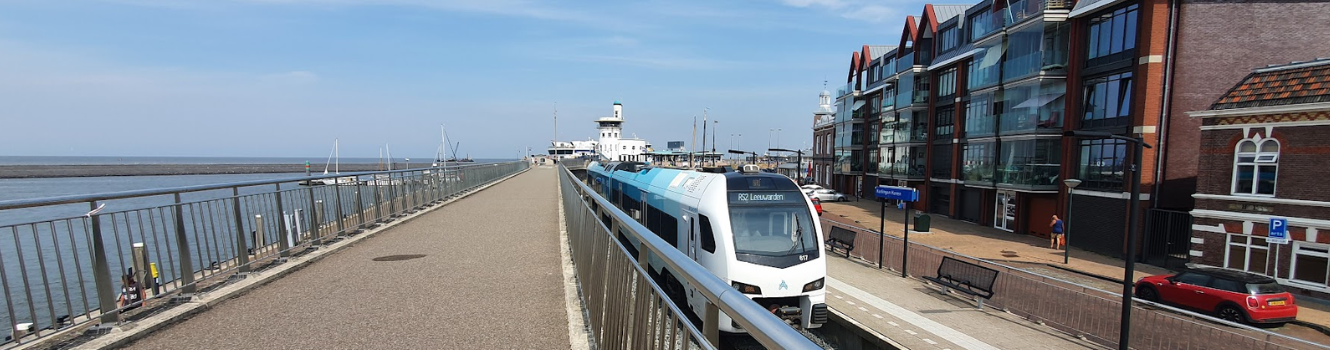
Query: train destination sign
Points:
[765, 198]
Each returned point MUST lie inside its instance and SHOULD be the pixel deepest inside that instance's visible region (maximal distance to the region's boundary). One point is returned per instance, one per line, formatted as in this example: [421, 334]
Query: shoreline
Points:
[58, 171]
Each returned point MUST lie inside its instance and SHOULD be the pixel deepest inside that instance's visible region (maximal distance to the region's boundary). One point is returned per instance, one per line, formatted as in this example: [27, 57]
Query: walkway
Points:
[490, 278]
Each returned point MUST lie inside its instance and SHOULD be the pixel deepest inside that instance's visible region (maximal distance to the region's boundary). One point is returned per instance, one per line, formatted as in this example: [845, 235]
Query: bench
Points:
[966, 278]
[841, 238]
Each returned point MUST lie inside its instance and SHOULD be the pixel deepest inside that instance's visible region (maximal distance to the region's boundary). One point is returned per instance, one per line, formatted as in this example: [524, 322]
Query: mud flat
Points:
[42, 171]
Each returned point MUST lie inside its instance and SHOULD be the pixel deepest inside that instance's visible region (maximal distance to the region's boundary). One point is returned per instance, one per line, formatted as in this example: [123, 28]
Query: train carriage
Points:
[754, 230]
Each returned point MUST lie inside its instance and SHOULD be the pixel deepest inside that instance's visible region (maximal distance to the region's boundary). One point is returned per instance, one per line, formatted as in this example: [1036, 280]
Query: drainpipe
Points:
[1164, 117]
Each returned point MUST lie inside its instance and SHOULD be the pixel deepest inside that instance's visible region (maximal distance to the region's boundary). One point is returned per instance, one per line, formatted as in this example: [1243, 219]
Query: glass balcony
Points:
[1030, 163]
[905, 63]
[1019, 11]
[977, 162]
[1033, 107]
[1038, 47]
[985, 68]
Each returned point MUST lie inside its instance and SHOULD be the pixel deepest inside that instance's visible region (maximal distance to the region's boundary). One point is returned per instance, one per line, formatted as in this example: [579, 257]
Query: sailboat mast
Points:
[337, 165]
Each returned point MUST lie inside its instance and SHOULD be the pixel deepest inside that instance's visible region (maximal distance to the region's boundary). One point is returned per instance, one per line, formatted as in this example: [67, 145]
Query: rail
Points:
[627, 308]
[1082, 310]
[62, 262]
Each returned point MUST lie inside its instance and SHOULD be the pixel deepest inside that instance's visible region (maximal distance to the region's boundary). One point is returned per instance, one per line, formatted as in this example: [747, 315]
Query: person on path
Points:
[131, 295]
[1055, 241]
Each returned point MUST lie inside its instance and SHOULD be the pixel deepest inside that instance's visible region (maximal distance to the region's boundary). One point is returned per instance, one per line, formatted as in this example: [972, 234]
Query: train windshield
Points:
[774, 229]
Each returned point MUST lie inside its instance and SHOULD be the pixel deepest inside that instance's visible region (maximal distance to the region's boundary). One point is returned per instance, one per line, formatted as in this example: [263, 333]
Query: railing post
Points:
[392, 197]
[710, 326]
[259, 239]
[182, 248]
[337, 198]
[242, 254]
[360, 207]
[378, 200]
[283, 237]
[106, 295]
[314, 218]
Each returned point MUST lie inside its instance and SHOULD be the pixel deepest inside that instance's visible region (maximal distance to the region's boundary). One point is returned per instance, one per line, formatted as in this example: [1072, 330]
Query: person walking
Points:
[1055, 241]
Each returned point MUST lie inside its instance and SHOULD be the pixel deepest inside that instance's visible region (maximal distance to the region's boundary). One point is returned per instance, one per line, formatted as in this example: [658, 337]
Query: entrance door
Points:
[1006, 211]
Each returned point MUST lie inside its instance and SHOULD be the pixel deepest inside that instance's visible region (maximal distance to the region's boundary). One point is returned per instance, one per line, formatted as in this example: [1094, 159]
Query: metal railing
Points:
[626, 308]
[63, 267]
[1081, 310]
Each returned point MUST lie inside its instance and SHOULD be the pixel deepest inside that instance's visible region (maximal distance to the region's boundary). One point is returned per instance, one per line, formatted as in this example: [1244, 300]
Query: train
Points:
[756, 231]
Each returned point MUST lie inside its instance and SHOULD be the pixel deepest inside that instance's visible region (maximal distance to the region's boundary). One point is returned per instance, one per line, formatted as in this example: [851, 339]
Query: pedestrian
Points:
[1055, 241]
[131, 295]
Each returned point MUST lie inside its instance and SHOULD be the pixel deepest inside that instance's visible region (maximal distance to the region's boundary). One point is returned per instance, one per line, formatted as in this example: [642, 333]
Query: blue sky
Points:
[283, 78]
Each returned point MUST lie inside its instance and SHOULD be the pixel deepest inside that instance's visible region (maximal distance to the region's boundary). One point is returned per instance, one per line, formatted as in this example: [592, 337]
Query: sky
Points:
[285, 78]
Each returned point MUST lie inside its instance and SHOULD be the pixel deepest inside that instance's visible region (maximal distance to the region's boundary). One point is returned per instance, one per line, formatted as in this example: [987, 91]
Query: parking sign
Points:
[1278, 231]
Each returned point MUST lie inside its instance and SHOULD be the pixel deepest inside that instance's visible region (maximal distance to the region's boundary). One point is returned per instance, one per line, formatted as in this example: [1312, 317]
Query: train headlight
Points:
[814, 285]
[746, 288]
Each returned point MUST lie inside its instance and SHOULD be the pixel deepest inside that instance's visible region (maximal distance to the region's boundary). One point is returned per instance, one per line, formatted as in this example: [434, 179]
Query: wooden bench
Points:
[841, 238]
[966, 278]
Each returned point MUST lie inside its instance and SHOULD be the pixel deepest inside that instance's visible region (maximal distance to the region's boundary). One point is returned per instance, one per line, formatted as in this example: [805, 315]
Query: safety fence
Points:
[1076, 309]
[65, 261]
[629, 310]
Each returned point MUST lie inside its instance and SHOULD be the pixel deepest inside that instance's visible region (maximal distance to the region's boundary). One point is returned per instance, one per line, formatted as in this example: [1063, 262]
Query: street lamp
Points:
[1124, 336]
[798, 166]
[1066, 232]
[408, 163]
[754, 154]
[716, 127]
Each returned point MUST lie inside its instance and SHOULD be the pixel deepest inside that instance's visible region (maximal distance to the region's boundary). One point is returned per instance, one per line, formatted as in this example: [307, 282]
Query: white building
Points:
[612, 145]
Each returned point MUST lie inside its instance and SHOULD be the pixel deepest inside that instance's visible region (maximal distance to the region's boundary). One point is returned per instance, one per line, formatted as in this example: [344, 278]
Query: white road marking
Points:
[893, 324]
[850, 301]
[839, 297]
[911, 332]
[926, 324]
[876, 315]
[930, 341]
[861, 308]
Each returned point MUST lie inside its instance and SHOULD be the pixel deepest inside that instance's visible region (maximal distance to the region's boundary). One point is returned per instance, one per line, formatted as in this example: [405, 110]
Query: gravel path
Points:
[490, 279]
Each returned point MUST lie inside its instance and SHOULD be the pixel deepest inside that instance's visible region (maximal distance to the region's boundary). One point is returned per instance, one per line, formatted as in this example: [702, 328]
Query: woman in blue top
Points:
[1055, 241]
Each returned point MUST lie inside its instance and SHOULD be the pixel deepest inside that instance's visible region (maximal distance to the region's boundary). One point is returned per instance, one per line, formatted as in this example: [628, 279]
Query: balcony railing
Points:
[1029, 175]
[905, 63]
[980, 173]
[1024, 122]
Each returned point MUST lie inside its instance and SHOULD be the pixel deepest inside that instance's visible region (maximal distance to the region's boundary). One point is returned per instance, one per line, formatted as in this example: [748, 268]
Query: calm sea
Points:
[39, 160]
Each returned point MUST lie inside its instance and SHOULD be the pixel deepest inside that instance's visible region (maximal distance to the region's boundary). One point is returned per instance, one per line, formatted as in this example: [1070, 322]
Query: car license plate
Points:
[1276, 302]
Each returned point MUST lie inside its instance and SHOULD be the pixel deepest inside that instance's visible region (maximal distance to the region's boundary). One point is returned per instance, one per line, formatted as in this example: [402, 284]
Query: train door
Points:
[689, 229]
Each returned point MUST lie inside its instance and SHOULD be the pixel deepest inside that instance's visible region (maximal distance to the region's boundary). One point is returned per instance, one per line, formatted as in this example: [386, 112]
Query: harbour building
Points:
[612, 144]
[971, 104]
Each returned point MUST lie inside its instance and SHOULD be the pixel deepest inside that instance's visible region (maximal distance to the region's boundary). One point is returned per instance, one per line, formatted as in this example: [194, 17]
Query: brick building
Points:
[983, 93]
[1262, 154]
[824, 132]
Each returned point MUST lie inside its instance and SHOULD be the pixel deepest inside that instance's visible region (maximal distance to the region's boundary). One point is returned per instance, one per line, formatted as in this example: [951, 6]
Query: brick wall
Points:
[1210, 59]
[1301, 173]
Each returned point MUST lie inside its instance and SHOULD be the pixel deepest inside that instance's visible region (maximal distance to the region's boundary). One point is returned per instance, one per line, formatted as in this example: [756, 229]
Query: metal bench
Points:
[841, 238]
[966, 278]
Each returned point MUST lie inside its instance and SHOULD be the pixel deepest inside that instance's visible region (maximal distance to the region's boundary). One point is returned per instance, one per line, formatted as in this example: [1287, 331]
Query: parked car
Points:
[827, 195]
[810, 187]
[1235, 296]
[817, 204]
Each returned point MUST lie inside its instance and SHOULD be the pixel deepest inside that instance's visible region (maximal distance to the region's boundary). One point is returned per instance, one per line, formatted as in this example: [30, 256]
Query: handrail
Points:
[37, 202]
[765, 327]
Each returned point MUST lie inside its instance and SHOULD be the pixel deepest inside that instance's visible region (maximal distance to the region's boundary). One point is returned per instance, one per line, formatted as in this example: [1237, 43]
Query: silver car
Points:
[826, 195]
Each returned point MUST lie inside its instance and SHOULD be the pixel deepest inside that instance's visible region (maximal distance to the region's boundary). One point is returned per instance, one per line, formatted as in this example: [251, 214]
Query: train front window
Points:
[773, 231]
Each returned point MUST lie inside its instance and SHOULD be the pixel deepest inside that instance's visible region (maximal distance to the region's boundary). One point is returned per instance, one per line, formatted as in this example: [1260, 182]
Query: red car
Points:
[1235, 296]
[817, 204]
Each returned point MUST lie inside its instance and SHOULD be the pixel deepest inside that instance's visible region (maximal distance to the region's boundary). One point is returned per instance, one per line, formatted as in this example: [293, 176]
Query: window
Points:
[942, 162]
[1246, 253]
[946, 122]
[981, 24]
[708, 240]
[1112, 33]
[1102, 163]
[979, 117]
[946, 84]
[920, 91]
[1193, 279]
[1108, 100]
[1310, 263]
[1254, 167]
[949, 38]
[977, 162]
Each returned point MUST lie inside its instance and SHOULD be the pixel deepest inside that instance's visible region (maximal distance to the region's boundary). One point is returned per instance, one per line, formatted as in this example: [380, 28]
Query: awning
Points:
[1086, 7]
[858, 104]
[993, 56]
[879, 87]
[1038, 101]
[954, 59]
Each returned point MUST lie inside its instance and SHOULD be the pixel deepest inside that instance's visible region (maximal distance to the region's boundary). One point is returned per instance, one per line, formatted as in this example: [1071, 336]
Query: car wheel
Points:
[1231, 314]
[1147, 293]
[842, 199]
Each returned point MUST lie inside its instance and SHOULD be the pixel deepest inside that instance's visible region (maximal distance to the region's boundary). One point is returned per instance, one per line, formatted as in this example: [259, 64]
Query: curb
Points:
[126, 333]
[1320, 328]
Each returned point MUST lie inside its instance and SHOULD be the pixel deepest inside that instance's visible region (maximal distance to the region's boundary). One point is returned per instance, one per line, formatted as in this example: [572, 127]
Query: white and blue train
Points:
[755, 230]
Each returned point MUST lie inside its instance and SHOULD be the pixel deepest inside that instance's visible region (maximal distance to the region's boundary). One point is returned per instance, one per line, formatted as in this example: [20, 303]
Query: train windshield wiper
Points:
[798, 235]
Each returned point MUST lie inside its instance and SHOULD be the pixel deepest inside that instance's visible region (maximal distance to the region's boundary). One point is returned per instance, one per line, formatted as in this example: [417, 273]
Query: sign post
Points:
[905, 194]
[1278, 231]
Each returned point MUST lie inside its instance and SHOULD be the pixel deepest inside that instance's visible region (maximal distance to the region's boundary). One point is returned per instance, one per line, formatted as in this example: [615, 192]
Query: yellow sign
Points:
[153, 267]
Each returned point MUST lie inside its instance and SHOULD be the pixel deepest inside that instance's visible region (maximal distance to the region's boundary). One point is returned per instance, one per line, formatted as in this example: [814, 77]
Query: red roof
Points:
[1296, 83]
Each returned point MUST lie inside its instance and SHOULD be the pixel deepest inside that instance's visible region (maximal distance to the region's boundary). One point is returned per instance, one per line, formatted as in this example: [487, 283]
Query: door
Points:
[1189, 290]
[1006, 211]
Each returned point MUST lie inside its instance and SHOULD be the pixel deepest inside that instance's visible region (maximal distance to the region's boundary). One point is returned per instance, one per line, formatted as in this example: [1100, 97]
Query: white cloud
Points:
[873, 13]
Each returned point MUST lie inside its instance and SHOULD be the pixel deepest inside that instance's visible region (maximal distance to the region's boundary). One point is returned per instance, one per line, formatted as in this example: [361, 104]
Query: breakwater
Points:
[44, 171]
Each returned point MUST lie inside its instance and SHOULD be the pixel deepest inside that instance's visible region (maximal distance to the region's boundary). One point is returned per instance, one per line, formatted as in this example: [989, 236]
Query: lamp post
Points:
[408, 163]
[1124, 336]
[716, 123]
[798, 174]
[1066, 232]
[735, 151]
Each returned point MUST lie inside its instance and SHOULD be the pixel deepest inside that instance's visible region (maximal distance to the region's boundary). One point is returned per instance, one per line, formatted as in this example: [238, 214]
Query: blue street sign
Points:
[1278, 231]
[898, 193]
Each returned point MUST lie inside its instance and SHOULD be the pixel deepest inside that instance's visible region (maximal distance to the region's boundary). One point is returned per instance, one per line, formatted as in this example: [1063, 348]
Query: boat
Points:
[334, 159]
[571, 149]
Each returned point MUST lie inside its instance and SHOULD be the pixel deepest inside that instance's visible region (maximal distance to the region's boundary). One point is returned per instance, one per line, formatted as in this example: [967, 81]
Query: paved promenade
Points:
[490, 278]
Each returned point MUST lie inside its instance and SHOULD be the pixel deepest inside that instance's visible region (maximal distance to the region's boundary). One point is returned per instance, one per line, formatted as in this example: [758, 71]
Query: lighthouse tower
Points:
[609, 128]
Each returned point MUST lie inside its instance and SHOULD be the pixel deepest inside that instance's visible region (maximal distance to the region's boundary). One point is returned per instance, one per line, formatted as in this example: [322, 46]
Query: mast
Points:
[337, 159]
[390, 157]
